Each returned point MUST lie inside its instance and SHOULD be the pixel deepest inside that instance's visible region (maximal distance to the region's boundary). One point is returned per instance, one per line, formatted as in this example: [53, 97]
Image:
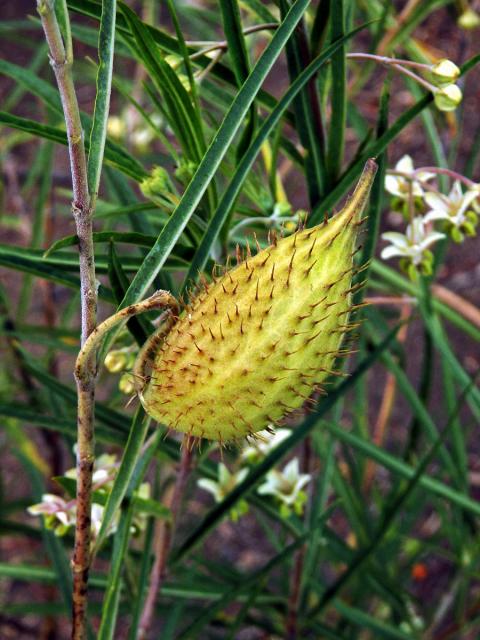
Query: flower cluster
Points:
[60, 514]
[424, 206]
[285, 486]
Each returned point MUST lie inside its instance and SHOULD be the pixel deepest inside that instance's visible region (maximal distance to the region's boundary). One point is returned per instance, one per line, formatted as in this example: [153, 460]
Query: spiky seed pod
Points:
[255, 344]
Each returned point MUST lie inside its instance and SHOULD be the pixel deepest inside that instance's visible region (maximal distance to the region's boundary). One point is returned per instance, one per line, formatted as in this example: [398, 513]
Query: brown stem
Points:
[163, 538]
[61, 61]
[85, 389]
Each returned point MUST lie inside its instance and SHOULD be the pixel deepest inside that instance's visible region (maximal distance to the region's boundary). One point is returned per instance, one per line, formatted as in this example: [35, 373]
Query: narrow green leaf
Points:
[33, 83]
[365, 621]
[247, 584]
[13, 259]
[399, 283]
[98, 134]
[376, 199]
[237, 51]
[114, 154]
[308, 117]
[395, 465]
[338, 119]
[130, 456]
[114, 585]
[129, 237]
[140, 327]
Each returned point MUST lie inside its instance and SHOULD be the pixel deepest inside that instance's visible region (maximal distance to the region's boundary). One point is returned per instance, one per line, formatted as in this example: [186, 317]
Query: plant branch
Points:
[61, 62]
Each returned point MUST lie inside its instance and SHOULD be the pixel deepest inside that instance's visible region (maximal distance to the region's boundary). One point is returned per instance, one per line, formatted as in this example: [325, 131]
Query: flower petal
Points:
[405, 164]
[392, 252]
[437, 202]
[392, 185]
[397, 239]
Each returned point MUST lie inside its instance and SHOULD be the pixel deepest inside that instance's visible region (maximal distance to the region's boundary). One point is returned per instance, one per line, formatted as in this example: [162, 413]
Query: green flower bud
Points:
[409, 269]
[116, 361]
[185, 171]
[468, 229]
[472, 217]
[126, 385]
[116, 127]
[444, 72]
[469, 19]
[173, 60]
[456, 235]
[426, 267]
[282, 209]
[157, 184]
[447, 98]
[411, 546]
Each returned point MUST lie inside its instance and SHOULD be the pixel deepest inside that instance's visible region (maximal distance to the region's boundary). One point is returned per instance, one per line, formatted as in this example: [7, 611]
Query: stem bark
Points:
[61, 62]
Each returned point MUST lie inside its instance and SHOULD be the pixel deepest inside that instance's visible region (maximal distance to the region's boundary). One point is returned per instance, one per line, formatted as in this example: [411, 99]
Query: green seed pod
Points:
[259, 340]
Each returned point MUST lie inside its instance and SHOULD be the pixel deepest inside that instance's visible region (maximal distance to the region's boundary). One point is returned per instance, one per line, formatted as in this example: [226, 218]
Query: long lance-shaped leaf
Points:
[106, 45]
[138, 432]
[231, 193]
[308, 117]
[401, 468]
[237, 50]
[114, 154]
[336, 134]
[213, 157]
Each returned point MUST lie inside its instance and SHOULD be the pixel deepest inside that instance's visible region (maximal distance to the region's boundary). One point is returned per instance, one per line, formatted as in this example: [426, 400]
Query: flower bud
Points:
[116, 361]
[126, 385]
[185, 170]
[116, 127]
[157, 184]
[456, 235]
[469, 19]
[447, 98]
[445, 72]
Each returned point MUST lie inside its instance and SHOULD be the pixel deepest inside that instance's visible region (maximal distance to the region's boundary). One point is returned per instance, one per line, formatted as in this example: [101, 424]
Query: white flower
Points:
[400, 185]
[412, 244]
[104, 471]
[265, 441]
[287, 485]
[55, 508]
[98, 512]
[226, 482]
[453, 207]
